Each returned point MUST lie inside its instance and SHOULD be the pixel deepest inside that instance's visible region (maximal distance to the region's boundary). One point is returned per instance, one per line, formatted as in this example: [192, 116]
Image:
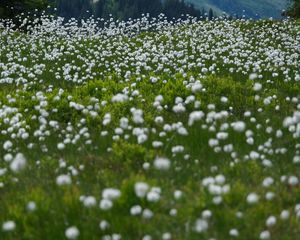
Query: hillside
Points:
[150, 130]
[263, 8]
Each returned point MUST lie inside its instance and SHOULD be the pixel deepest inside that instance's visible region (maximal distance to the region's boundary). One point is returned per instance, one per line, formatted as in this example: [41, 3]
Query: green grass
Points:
[104, 162]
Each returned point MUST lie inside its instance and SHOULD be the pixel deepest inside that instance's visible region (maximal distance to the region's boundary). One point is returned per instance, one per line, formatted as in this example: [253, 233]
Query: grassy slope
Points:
[59, 207]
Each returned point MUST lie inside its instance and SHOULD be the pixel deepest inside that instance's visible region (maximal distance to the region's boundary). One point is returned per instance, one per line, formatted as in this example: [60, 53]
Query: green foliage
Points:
[124, 9]
[294, 9]
[11, 8]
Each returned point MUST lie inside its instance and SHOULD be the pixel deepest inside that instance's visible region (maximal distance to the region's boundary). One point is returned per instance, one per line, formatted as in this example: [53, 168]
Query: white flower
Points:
[111, 193]
[254, 155]
[213, 142]
[177, 149]
[63, 179]
[270, 196]
[124, 123]
[238, 126]
[31, 206]
[72, 232]
[147, 237]
[8, 157]
[153, 196]
[234, 232]
[8, 226]
[296, 159]
[182, 131]
[89, 201]
[146, 166]
[222, 135]
[253, 76]
[224, 99]
[257, 87]
[177, 194]
[285, 214]
[252, 198]
[220, 179]
[201, 225]
[159, 120]
[214, 189]
[178, 108]
[18, 163]
[120, 98]
[196, 87]
[271, 221]
[265, 235]
[206, 214]
[136, 210]
[173, 212]
[217, 200]
[106, 119]
[250, 141]
[195, 116]
[60, 146]
[167, 236]
[147, 214]
[293, 180]
[162, 163]
[268, 182]
[157, 144]
[7, 145]
[106, 204]
[142, 138]
[141, 189]
[103, 225]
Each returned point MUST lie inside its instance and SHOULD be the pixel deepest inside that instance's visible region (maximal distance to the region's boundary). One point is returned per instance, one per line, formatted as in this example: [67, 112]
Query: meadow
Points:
[150, 129]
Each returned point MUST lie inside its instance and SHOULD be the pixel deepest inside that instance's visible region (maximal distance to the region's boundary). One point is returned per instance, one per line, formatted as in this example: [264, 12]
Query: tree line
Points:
[125, 9]
[119, 9]
[294, 9]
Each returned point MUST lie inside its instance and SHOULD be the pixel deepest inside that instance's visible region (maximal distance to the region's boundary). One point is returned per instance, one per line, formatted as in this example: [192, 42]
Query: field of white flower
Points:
[150, 129]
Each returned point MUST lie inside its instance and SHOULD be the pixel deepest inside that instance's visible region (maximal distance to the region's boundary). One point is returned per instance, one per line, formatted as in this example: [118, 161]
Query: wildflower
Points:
[119, 98]
[257, 87]
[8, 226]
[136, 210]
[31, 206]
[89, 201]
[106, 204]
[111, 193]
[63, 180]
[201, 225]
[238, 126]
[141, 189]
[252, 198]
[271, 221]
[7, 145]
[162, 163]
[18, 163]
[177, 194]
[153, 196]
[72, 232]
[103, 225]
[147, 214]
[195, 116]
[60, 146]
[234, 232]
[265, 235]
[285, 214]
